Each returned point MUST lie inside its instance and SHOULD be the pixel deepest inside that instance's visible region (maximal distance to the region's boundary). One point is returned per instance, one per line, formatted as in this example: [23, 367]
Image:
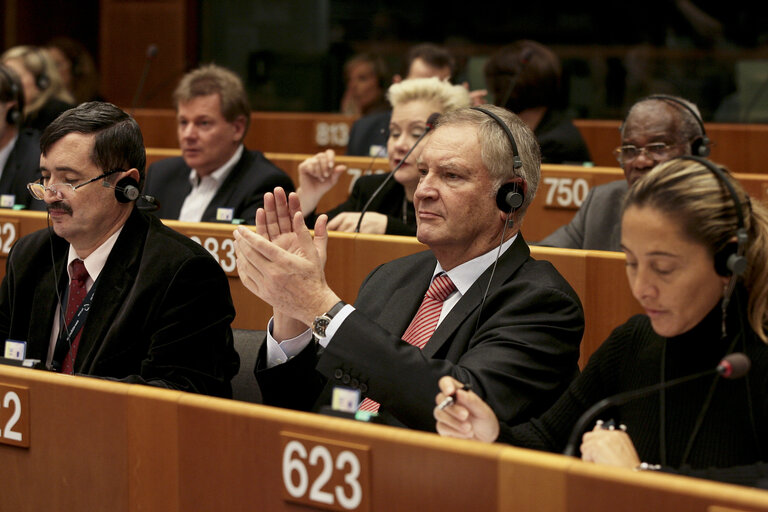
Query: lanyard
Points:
[69, 333]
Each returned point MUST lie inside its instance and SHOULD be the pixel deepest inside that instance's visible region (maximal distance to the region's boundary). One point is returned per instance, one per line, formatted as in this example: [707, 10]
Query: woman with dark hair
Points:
[697, 261]
[525, 77]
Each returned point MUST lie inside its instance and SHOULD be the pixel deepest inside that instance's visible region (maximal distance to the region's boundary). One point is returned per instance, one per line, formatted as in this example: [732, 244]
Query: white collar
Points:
[95, 261]
[220, 174]
[465, 275]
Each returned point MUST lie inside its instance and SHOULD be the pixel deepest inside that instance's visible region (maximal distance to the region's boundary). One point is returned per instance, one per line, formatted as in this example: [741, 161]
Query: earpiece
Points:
[509, 197]
[42, 81]
[127, 190]
[730, 259]
[14, 114]
[700, 145]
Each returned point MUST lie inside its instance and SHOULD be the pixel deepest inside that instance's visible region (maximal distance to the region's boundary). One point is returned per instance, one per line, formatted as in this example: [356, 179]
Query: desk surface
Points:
[97, 444]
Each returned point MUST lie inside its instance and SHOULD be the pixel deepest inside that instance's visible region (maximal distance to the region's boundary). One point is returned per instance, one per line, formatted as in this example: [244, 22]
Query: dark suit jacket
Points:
[22, 167]
[561, 142]
[389, 201]
[519, 357]
[597, 224]
[367, 131]
[243, 190]
[160, 314]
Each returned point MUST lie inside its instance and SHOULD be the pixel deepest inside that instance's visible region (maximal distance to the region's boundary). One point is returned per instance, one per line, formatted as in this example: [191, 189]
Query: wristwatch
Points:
[321, 322]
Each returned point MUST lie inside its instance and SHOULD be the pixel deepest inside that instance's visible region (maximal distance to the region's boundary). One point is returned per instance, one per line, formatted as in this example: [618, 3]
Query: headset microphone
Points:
[127, 190]
[431, 121]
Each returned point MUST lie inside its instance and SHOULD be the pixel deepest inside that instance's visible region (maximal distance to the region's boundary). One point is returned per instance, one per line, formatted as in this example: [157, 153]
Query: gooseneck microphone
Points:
[732, 366]
[151, 53]
[431, 120]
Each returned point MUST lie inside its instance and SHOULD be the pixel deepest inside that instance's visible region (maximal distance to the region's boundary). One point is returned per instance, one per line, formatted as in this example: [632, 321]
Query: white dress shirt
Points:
[205, 188]
[94, 264]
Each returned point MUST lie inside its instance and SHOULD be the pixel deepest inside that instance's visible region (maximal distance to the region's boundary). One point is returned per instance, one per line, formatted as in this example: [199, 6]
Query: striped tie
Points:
[424, 323]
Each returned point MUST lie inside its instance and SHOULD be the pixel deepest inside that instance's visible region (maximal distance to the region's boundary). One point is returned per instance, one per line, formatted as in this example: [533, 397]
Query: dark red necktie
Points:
[77, 293]
[424, 323]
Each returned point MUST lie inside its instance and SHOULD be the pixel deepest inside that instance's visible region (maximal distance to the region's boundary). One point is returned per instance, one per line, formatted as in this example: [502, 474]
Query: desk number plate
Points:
[325, 473]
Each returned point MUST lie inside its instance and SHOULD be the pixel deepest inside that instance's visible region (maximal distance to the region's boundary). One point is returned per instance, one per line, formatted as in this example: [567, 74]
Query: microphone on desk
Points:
[732, 366]
[431, 121]
[151, 53]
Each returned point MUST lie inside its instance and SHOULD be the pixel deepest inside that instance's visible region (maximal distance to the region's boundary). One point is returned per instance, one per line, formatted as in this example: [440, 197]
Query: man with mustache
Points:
[107, 290]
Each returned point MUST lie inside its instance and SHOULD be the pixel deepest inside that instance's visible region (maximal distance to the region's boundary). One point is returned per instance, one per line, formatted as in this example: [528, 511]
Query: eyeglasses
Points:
[61, 190]
[656, 151]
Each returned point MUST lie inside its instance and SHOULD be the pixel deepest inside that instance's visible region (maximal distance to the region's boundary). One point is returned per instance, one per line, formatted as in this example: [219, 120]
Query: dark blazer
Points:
[597, 224]
[561, 142]
[390, 201]
[22, 167]
[368, 131]
[243, 190]
[519, 357]
[161, 310]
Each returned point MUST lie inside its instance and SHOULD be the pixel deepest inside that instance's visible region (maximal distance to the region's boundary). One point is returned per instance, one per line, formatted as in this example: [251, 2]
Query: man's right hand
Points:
[317, 175]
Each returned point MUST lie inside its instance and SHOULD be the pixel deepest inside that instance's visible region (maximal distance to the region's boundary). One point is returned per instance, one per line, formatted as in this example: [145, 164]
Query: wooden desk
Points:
[283, 132]
[743, 148]
[101, 445]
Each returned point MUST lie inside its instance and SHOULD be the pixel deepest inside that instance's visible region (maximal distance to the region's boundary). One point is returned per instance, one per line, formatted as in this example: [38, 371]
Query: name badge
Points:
[377, 151]
[7, 200]
[225, 214]
[16, 350]
[345, 399]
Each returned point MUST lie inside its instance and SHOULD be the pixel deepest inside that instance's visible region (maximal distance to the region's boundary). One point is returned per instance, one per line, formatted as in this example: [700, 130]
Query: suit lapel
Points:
[179, 188]
[509, 262]
[46, 299]
[115, 279]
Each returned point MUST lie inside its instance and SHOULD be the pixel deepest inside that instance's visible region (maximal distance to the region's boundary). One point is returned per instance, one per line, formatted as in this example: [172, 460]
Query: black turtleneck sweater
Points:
[733, 428]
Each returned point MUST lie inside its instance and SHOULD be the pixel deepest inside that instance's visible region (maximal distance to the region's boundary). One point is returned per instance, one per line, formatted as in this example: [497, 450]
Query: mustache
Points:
[61, 206]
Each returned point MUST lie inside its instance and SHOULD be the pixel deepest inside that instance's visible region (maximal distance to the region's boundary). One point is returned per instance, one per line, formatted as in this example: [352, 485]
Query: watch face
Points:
[319, 325]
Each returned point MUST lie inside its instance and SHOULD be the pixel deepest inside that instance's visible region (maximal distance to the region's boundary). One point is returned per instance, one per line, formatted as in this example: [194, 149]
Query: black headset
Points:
[127, 190]
[729, 259]
[510, 195]
[42, 81]
[14, 114]
[700, 145]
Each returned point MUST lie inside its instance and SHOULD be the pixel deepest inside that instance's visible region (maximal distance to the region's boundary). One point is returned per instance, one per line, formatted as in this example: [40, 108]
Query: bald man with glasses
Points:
[656, 129]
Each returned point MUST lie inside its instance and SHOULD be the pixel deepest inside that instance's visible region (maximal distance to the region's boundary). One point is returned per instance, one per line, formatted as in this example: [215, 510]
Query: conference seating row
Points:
[562, 188]
[80, 443]
[741, 147]
[598, 277]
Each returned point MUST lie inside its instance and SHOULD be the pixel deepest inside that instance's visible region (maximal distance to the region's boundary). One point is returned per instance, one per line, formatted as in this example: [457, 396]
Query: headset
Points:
[14, 114]
[700, 145]
[729, 259]
[511, 195]
[42, 81]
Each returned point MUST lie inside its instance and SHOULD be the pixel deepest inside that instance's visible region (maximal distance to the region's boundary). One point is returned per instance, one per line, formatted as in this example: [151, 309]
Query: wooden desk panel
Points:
[283, 132]
[97, 444]
[743, 148]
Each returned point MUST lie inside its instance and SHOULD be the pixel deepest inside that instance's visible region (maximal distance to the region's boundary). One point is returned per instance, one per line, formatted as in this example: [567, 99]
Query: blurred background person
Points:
[697, 261]
[526, 78]
[391, 212]
[76, 68]
[19, 147]
[366, 77]
[44, 94]
[369, 134]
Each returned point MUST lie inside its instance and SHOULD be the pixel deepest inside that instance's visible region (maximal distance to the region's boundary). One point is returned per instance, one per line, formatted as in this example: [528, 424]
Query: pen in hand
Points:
[450, 399]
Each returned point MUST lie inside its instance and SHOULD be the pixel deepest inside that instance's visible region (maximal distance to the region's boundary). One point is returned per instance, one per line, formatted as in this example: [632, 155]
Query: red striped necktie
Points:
[77, 293]
[424, 323]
